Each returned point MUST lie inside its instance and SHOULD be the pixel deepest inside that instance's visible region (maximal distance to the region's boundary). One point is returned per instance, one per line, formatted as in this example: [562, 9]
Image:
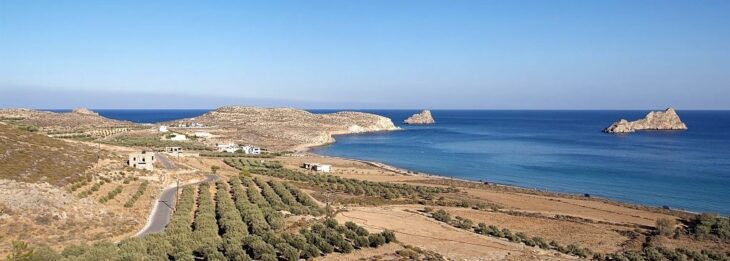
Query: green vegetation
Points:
[383, 190]
[706, 226]
[77, 185]
[154, 142]
[111, 194]
[648, 252]
[233, 223]
[140, 191]
[91, 190]
[249, 164]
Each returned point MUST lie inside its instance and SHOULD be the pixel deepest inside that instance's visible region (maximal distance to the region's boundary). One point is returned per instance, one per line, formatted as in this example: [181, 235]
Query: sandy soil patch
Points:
[417, 230]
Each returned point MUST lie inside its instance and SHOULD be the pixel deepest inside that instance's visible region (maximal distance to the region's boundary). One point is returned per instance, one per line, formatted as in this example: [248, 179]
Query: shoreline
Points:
[407, 172]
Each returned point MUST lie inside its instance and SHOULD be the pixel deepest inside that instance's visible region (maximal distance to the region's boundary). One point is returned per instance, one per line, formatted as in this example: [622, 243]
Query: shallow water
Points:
[563, 151]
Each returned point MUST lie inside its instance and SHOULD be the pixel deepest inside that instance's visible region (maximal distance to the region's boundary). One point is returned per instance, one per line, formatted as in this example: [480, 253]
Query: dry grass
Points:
[32, 157]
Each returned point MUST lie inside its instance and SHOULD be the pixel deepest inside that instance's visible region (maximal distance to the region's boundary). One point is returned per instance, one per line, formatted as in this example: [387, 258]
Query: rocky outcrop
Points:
[85, 111]
[655, 120]
[286, 128]
[424, 117]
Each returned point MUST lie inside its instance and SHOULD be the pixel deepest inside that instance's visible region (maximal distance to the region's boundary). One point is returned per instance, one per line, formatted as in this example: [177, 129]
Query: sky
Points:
[387, 54]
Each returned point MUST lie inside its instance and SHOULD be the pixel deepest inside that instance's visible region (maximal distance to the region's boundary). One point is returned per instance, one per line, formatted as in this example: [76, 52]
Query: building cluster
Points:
[189, 124]
[317, 167]
[141, 160]
[233, 148]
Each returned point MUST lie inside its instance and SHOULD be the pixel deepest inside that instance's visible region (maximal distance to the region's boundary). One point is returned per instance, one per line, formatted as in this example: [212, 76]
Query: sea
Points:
[559, 151]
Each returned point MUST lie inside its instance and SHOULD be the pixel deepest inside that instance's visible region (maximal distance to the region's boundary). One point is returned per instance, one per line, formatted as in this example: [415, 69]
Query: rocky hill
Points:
[424, 117]
[285, 128]
[655, 120]
[78, 119]
[30, 157]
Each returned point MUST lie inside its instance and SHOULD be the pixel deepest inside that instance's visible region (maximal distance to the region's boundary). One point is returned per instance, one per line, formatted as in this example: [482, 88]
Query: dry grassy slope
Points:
[77, 120]
[286, 128]
[31, 157]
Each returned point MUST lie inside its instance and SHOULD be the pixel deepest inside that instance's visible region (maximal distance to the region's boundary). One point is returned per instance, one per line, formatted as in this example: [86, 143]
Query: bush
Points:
[665, 226]
[706, 225]
[389, 236]
[376, 240]
[442, 216]
[463, 223]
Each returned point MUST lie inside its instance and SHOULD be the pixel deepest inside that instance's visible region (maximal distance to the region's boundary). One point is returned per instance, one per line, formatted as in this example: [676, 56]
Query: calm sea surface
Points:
[562, 151]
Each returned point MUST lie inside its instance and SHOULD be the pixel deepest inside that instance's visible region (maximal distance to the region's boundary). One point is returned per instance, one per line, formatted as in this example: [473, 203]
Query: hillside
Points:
[78, 119]
[285, 128]
[30, 157]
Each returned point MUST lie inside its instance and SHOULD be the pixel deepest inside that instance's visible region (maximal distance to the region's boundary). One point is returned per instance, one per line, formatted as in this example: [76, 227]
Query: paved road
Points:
[161, 212]
[166, 163]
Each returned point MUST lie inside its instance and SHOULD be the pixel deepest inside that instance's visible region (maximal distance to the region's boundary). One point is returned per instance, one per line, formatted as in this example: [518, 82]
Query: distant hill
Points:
[77, 119]
[30, 157]
[284, 128]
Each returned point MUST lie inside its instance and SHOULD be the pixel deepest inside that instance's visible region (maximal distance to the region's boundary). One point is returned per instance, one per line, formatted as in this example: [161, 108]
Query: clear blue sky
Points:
[366, 54]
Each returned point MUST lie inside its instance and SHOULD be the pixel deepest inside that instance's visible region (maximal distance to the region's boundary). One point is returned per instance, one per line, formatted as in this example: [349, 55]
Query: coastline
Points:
[307, 149]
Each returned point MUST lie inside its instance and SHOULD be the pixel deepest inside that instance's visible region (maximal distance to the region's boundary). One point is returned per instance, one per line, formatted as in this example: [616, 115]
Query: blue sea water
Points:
[563, 151]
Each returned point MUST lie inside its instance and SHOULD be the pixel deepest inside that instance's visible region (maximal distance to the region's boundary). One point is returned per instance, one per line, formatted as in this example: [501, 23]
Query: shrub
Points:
[389, 236]
[442, 216]
[376, 240]
[140, 191]
[665, 226]
[463, 223]
[43, 253]
[261, 248]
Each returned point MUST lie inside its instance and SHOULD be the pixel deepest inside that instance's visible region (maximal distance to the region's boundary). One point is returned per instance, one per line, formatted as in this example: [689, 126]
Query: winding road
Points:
[161, 212]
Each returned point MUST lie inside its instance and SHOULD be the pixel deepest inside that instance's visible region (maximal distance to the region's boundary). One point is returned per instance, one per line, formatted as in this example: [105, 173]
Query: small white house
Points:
[179, 137]
[163, 129]
[317, 167]
[142, 160]
[228, 147]
[248, 149]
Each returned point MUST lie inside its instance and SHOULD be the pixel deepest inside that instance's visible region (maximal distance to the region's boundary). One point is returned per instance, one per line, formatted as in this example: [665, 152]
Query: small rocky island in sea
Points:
[423, 117]
[655, 120]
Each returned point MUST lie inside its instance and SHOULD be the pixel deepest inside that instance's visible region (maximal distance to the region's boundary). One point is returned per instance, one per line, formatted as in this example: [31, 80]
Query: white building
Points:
[248, 149]
[163, 128]
[317, 167]
[228, 147]
[143, 160]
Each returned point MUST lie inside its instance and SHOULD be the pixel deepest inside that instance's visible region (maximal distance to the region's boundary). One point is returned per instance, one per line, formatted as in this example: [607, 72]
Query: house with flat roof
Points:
[248, 149]
[317, 167]
[142, 160]
[227, 147]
